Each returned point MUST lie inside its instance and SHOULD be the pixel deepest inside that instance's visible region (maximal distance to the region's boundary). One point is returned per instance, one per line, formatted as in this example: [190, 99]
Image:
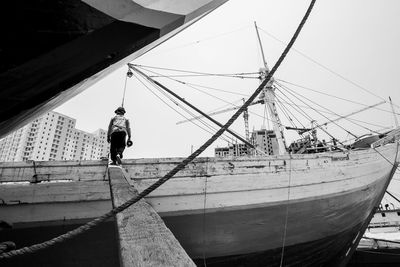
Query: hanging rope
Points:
[204, 218]
[128, 75]
[287, 212]
[171, 173]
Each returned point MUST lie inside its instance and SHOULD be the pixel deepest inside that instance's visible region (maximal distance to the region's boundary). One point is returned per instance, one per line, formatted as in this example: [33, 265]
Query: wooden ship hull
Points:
[74, 44]
[316, 206]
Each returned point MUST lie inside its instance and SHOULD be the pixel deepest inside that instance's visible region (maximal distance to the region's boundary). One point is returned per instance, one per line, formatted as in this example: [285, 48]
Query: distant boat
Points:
[380, 245]
[385, 221]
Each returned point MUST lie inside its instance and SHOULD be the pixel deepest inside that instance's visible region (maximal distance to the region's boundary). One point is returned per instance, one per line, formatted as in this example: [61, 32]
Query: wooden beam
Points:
[144, 240]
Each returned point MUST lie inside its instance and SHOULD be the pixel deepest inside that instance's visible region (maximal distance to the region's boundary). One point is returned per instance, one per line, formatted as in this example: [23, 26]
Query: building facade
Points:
[53, 137]
[264, 141]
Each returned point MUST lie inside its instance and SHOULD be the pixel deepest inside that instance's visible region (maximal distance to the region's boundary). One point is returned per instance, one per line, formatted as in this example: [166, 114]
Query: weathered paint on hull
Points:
[315, 253]
[228, 207]
[250, 230]
[329, 202]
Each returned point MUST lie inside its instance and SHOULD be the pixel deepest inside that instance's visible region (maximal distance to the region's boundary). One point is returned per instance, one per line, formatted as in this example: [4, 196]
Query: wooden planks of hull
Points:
[252, 229]
[221, 207]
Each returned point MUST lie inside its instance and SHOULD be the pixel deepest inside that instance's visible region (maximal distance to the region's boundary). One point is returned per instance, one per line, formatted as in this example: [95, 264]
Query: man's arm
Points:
[128, 129]
[109, 130]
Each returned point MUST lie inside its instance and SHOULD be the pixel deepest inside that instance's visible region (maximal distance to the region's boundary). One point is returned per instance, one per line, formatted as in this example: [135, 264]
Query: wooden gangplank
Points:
[144, 239]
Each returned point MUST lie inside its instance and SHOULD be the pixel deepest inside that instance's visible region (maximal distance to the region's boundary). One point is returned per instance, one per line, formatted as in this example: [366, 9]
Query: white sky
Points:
[358, 39]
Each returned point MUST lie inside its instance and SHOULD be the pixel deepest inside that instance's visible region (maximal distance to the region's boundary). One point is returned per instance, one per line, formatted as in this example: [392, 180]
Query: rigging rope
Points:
[287, 211]
[171, 173]
[329, 120]
[204, 218]
[191, 85]
[301, 112]
[202, 40]
[213, 88]
[290, 113]
[393, 164]
[337, 97]
[285, 111]
[201, 75]
[197, 73]
[181, 99]
[326, 68]
[187, 84]
[207, 125]
[126, 79]
[390, 194]
[239, 136]
[296, 107]
[341, 117]
[298, 97]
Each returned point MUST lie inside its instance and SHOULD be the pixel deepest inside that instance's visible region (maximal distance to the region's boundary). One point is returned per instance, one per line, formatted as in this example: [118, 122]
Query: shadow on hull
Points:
[315, 253]
[97, 247]
[90, 250]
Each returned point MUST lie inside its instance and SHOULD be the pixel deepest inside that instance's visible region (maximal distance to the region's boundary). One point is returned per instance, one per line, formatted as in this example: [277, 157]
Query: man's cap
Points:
[120, 110]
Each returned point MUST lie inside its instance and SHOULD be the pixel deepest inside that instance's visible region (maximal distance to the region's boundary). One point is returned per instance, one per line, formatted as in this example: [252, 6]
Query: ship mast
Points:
[268, 94]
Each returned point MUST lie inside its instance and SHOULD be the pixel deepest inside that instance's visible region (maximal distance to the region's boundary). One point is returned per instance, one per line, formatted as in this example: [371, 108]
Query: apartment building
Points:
[264, 141]
[53, 137]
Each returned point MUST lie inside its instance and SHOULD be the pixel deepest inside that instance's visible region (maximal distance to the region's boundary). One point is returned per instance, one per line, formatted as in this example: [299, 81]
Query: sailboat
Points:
[307, 205]
[292, 208]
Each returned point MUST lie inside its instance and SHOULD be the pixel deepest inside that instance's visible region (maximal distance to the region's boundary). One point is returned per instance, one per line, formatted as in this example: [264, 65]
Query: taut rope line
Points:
[170, 174]
[286, 212]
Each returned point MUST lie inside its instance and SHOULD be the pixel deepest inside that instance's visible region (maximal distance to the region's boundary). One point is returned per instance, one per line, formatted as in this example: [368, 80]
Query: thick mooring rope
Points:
[179, 167]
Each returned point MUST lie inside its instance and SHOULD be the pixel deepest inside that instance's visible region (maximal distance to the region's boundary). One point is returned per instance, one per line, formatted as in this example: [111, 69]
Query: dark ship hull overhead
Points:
[53, 50]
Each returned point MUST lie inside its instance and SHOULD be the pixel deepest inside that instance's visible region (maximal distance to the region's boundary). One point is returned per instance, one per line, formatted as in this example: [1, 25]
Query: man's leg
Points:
[121, 151]
[120, 146]
[113, 148]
